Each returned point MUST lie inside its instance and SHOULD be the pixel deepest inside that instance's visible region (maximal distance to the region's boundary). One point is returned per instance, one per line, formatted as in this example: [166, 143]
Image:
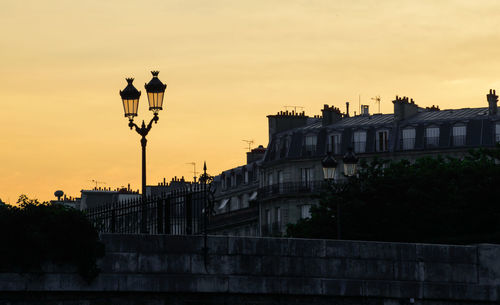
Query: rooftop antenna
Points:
[249, 143]
[294, 108]
[194, 170]
[377, 100]
[359, 102]
[97, 182]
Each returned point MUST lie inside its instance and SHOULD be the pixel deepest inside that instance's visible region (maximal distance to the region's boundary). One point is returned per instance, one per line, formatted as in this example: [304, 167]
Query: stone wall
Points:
[174, 269]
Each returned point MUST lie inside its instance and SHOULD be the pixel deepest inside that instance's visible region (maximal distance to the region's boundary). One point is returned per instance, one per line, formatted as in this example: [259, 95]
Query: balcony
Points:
[458, 140]
[290, 188]
[408, 143]
[359, 146]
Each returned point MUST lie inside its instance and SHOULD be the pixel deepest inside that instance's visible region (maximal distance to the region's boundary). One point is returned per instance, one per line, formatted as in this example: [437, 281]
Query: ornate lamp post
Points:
[329, 167]
[130, 97]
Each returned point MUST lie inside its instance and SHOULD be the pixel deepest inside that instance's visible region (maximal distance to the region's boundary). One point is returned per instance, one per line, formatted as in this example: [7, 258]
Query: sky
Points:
[227, 64]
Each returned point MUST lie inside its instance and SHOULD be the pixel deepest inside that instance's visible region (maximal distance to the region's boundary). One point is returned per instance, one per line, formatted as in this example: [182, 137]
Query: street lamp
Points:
[329, 165]
[350, 163]
[130, 98]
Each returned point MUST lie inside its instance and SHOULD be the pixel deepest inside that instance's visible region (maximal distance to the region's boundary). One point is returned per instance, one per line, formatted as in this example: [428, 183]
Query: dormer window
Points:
[359, 141]
[310, 143]
[334, 143]
[459, 133]
[284, 147]
[431, 136]
[408, 140]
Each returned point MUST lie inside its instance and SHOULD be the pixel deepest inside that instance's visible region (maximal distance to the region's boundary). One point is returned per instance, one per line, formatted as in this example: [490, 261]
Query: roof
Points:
[449, 115]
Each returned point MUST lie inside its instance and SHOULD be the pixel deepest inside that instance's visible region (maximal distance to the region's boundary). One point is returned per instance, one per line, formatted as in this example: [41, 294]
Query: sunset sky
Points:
[227, 64]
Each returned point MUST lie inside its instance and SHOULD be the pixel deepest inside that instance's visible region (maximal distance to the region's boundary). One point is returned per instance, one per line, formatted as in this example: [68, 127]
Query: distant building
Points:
[236, 206]
[289, 175]
[105, 196]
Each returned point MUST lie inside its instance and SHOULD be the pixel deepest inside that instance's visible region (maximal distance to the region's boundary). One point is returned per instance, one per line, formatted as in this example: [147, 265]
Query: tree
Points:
[435, 200]
[33, 233]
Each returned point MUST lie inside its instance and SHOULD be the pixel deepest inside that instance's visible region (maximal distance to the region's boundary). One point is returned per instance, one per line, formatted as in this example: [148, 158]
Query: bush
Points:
[33, 233]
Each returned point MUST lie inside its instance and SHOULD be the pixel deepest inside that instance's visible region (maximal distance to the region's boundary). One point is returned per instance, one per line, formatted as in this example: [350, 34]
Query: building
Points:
[99, 197]
[291, 170]
[236, 210]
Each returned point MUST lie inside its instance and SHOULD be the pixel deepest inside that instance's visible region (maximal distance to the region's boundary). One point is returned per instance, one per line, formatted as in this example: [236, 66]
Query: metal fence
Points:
[177, 212]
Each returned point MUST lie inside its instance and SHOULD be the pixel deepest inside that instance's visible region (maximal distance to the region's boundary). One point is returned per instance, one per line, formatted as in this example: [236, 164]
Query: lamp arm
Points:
[131, 124]
[154, 119]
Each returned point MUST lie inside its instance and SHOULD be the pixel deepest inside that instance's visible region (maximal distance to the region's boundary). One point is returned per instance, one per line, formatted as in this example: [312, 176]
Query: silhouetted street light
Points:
[329, 165]
[130, 97]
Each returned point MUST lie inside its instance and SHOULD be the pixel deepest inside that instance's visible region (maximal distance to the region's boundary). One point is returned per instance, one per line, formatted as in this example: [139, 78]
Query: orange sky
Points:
[227, 64]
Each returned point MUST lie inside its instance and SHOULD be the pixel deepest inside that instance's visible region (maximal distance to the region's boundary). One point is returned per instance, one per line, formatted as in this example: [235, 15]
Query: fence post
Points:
[113, 219]
[159, 215]
[189, 213]
[167, 215]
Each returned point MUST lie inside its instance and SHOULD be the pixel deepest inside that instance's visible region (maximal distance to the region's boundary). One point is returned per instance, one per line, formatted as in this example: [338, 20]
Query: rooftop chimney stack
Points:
[404, 108]
[330, 115]
[347, 109]
[492, 102]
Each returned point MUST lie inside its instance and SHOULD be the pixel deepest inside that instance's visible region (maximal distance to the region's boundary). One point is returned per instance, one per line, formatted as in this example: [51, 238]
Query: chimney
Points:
[347, 109]
[256, 154]
[404, 108]
[330, 115]
[365, 110]
[285, 120]
[492, 102]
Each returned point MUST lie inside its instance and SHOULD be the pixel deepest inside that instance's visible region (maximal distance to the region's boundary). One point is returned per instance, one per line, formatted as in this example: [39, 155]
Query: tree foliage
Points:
[434, 200]
[33, 233]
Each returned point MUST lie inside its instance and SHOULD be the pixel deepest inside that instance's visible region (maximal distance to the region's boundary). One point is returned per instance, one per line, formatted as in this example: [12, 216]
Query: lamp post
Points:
[130, 98]
[329, 165]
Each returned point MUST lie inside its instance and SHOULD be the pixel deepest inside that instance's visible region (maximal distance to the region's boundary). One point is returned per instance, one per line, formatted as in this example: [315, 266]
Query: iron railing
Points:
[178, 212]
[272, 229]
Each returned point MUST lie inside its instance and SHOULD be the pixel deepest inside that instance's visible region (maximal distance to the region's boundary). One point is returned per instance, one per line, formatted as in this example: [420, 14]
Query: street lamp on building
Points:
[329, 165]
[130, 98]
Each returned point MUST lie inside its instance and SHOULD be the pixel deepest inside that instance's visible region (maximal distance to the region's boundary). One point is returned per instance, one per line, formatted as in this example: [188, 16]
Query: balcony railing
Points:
[458, 140]
[302, 187]
[359, 147]
[431, 142]
[408, 143]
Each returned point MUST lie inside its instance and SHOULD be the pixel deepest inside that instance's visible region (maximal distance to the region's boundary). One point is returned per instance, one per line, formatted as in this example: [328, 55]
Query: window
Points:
[382, 140]
[223, 181]
[408, 139]
[233, 180]
[459, 135]
[334, 144]
[284, 147]
[305, 211]
[270, 179]
[310, 144]
[497, 133]
[268, 217]
[246, 177]
[277, 218]
[280, 181]
[306, 175]
[432, 136]
[360, 141]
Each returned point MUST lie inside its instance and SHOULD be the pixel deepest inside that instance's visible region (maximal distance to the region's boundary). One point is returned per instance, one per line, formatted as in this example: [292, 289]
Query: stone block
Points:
[306, 247]
[446, 253]
[257, 246]
[368, 269]
[436, 291]
[335, 268]
[12, 282]
[292, 266]
[301, 286]
[271, 265]
[315, 267]
[140, 282]
[254, 285]
[214, 264]
[178, 263]
[489, 264]
[407, 271]
[393, 289]
[119, 262]
[180, 244]
[153, 263]
[342, 287]
[341, 249]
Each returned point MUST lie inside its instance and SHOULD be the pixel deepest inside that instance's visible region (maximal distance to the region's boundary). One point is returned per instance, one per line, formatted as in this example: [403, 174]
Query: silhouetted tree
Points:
[33, 233]
[436, 200]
